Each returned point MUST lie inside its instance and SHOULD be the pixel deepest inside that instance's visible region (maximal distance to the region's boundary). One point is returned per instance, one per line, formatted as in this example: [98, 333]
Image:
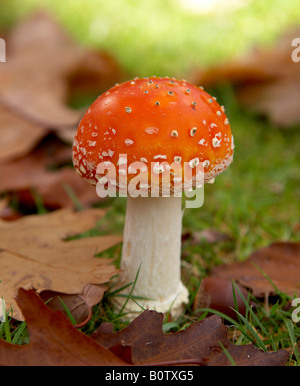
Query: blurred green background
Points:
[165, 37]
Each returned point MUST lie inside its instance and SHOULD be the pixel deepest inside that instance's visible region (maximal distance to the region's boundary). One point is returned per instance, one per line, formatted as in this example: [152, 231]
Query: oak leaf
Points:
[53, 340]
[18, 135]
[34, 254]
[201, 343]
[267, 270]
[44, 65]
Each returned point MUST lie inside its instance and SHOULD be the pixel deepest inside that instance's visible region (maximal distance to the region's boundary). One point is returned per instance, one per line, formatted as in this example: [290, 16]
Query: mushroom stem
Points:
[152, 248]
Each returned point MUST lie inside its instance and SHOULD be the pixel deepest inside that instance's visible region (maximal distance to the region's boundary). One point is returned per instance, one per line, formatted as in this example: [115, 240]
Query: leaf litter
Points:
[34, 108]
[265, 80]
[54, 341]
[33, 254]
[269, 270]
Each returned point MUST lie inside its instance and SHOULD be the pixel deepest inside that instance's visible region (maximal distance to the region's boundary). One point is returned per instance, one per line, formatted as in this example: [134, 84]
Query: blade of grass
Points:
[258, 340]
[38, 201]
[7, 331]
[226, 352]
[236, 307]
[130, 293]
[255, 319]
[277, 290]
[70, 316]
[168, 326]
[238, 326]
[291, 331]
[18, 332]
[70, 192]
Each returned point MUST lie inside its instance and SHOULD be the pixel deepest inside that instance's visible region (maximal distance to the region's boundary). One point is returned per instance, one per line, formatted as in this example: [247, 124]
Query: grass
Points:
[256, 201]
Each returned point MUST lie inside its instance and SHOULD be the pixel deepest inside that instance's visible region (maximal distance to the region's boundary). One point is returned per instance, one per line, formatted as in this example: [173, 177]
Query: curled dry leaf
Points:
[33, 254]
[53, 340]
[79, 305]
[199, 343]
[267, 269]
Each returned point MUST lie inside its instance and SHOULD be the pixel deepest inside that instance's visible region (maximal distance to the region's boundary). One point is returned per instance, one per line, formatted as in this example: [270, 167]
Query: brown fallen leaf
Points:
[35, 45]
[18, 135]
[33, 254]
[201, 342]
[79, 305]
[35, 88]
[53, 340]
[266, 80]
[280, 262]
[45, 67]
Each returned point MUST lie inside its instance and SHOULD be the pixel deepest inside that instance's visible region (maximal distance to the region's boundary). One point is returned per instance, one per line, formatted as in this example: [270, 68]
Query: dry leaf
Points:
[40, 49]
[53, 340]
[39, 171]
[34, 88]
[199, 343]
[280, 262]
[18, 135]
[266, 80]
[34, 255]
[79, 305]
[45, 66]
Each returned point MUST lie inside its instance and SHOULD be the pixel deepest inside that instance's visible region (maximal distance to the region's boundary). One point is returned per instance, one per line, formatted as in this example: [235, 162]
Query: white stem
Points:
[152, 243]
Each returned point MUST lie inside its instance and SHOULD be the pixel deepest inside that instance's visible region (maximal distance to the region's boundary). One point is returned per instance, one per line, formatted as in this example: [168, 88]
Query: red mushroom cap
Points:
[154, 121]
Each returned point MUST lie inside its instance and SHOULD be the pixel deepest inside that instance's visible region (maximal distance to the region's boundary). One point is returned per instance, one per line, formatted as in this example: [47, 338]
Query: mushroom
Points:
[163, 136]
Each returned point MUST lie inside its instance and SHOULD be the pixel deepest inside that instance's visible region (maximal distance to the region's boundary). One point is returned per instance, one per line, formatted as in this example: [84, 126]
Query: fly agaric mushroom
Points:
[154, 122]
